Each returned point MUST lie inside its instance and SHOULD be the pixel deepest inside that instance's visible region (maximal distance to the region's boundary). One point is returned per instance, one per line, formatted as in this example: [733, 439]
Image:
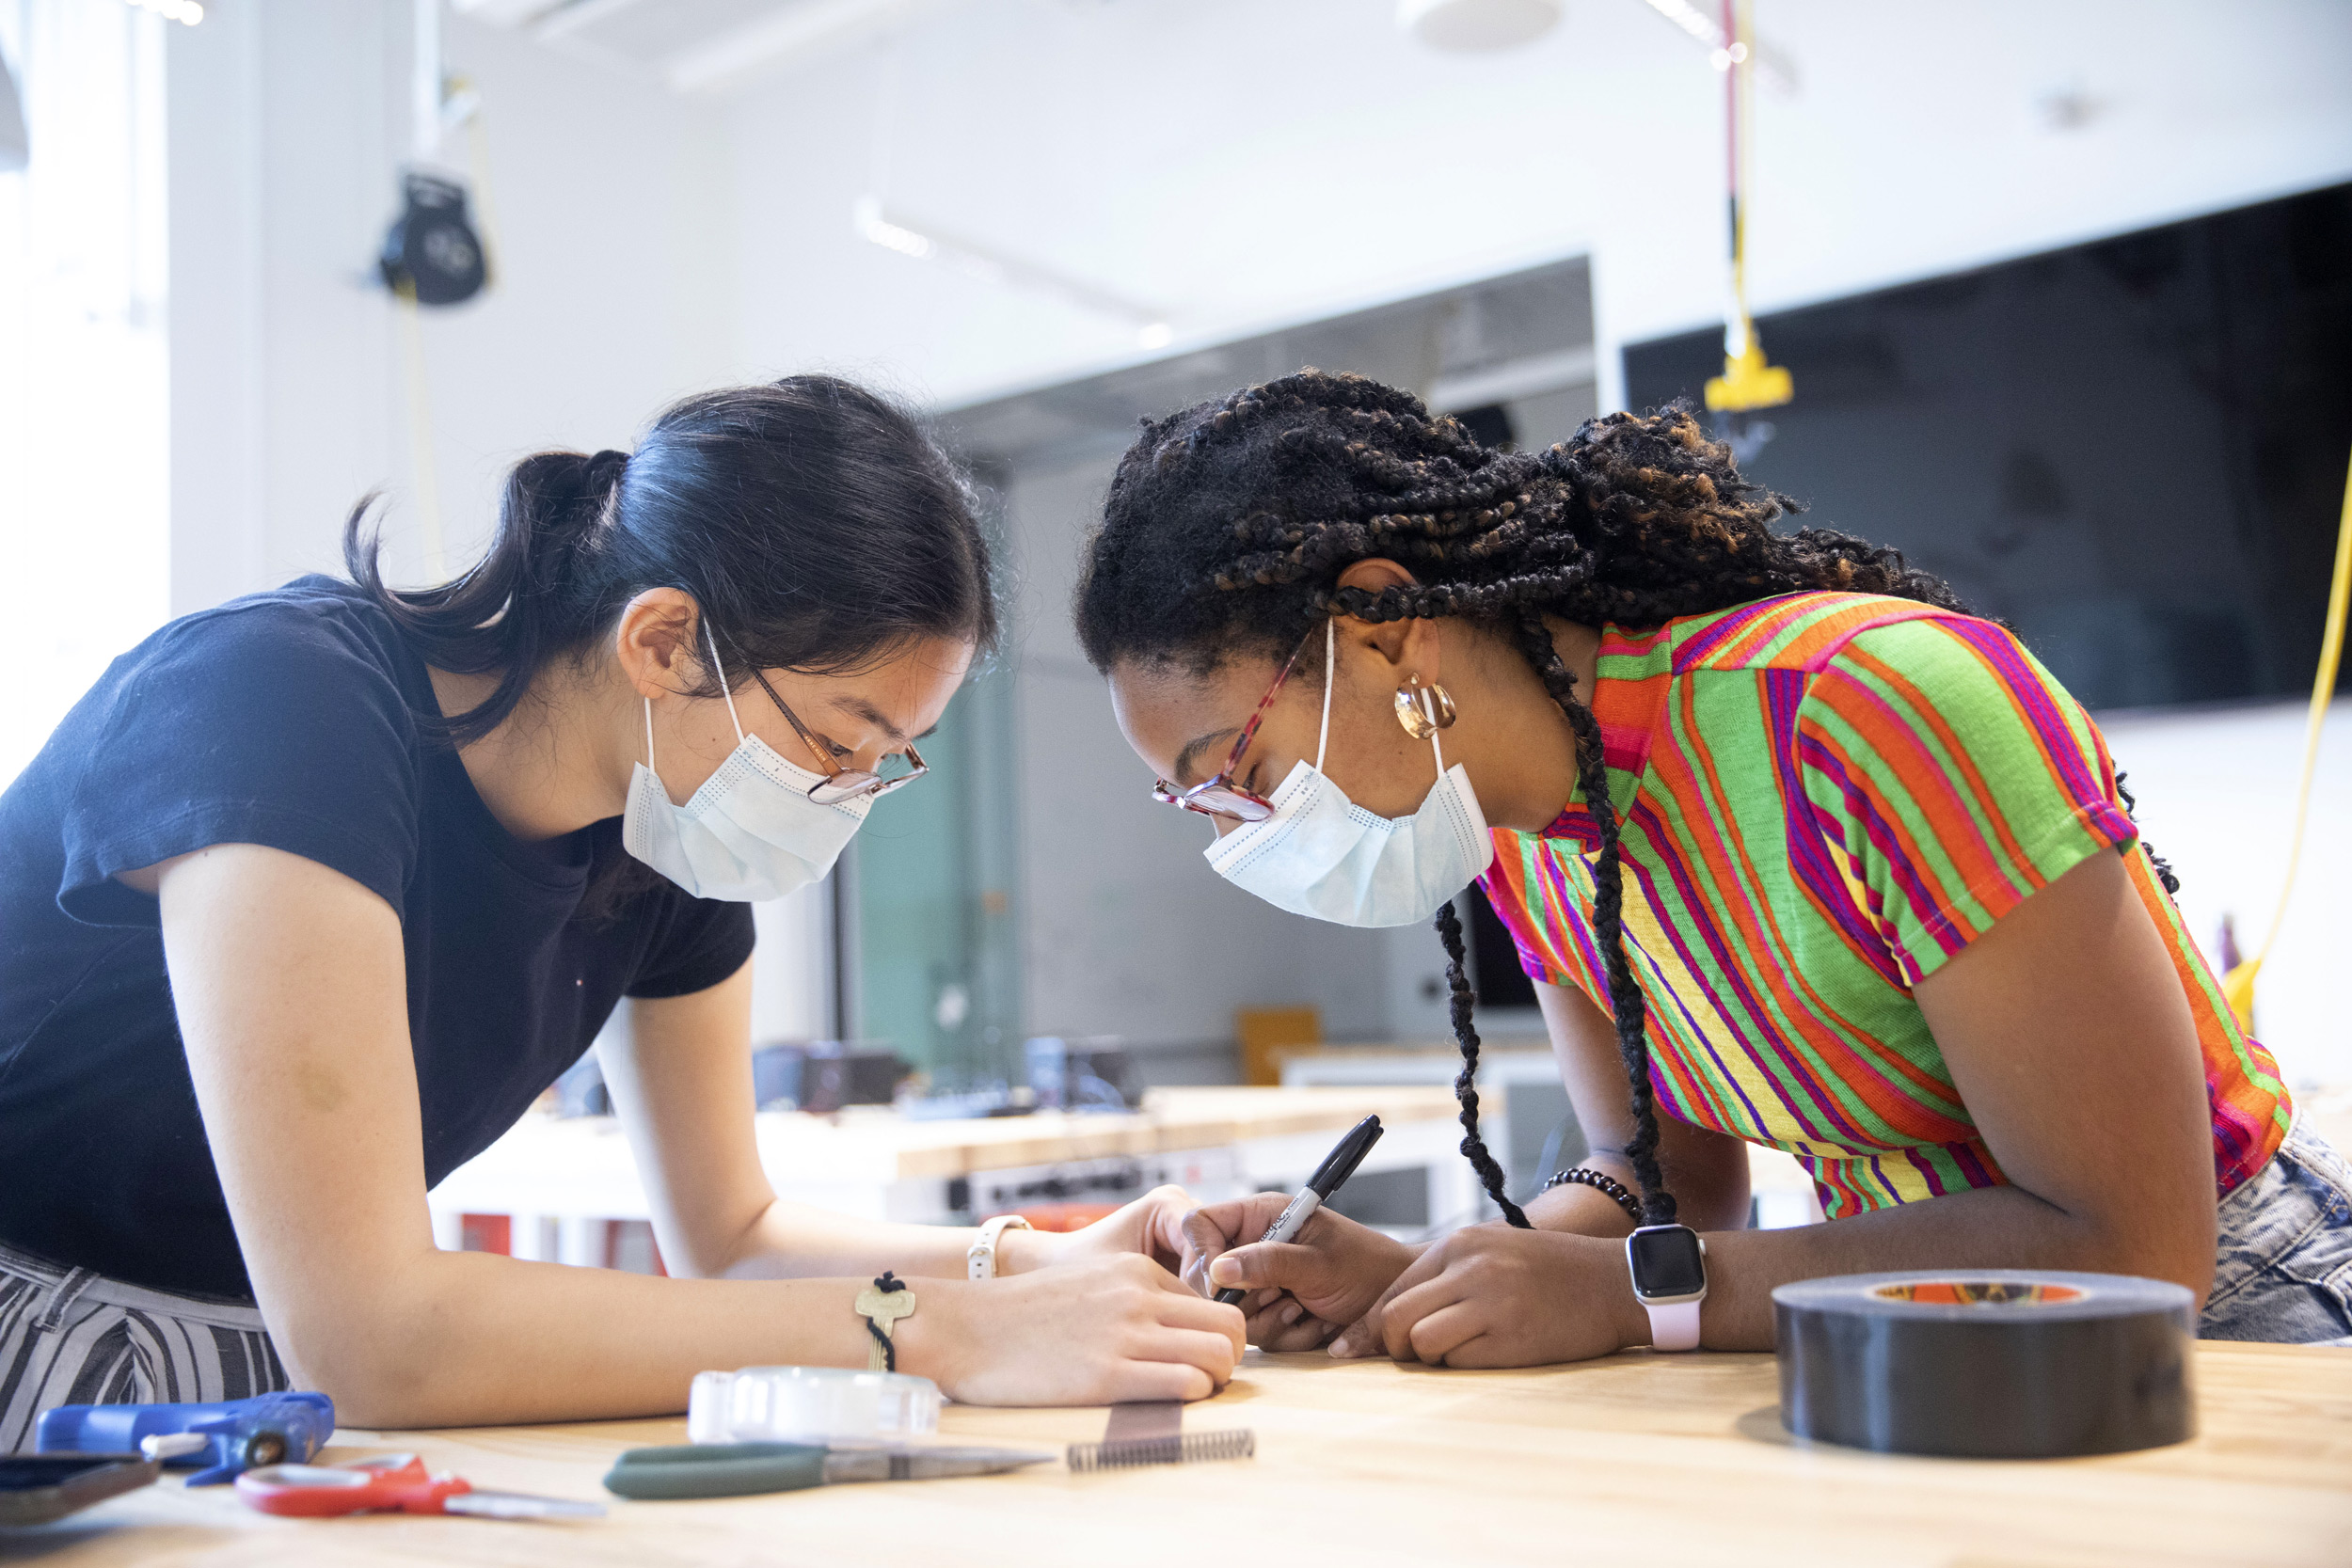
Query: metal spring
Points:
[1193, 1447]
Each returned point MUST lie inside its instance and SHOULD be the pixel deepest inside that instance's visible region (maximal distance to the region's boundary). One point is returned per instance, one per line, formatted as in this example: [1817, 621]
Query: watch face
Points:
[1666, 1261]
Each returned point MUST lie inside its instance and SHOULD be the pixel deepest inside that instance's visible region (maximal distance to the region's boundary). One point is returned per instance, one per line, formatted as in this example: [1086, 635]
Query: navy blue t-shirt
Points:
[284, 719]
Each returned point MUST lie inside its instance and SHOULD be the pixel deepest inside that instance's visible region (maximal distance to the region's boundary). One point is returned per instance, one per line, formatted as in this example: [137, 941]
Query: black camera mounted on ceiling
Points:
[432, 249]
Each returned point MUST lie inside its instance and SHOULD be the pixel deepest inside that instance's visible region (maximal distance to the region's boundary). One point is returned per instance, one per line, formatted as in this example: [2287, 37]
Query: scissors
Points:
[738, 1469]
[394, 1483]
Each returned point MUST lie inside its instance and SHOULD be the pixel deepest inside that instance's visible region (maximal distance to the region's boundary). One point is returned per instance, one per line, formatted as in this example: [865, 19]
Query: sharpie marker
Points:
[1336, 1168]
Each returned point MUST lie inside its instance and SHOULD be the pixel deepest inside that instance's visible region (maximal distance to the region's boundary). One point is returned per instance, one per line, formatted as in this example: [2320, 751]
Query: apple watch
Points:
[980, 1262]
[1669, 1266]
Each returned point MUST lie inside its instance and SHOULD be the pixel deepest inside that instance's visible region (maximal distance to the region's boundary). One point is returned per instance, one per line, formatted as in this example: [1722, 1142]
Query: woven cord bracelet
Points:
[1585, 1177]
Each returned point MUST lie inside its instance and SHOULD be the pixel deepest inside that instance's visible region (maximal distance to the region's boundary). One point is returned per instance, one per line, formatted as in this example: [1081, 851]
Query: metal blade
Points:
[174, 1445]
[518, 1505]
[907, 1463]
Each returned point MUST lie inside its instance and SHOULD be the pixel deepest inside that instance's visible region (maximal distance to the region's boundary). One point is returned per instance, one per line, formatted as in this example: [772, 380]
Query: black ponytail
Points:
[815, 523]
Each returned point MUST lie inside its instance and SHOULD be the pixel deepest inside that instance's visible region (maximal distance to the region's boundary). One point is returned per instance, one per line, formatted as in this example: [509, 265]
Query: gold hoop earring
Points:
[1424, 710]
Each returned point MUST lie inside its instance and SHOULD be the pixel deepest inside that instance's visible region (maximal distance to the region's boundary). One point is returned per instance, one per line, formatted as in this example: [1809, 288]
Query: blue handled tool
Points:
[239, 1434]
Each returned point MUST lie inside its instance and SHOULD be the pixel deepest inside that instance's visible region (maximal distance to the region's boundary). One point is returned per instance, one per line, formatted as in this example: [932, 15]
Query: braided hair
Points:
[1228, 526]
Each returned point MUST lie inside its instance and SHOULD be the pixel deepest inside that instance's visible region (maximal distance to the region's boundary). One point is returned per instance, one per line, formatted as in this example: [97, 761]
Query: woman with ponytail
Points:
[315, 893]
[1799, 852]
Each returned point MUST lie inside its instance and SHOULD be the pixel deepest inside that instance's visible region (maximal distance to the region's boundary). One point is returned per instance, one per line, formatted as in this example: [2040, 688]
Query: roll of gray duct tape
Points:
[1987, 1363]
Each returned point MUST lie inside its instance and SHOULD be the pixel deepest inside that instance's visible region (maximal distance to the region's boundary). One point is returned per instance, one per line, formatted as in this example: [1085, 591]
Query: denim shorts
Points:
[2283, 1272]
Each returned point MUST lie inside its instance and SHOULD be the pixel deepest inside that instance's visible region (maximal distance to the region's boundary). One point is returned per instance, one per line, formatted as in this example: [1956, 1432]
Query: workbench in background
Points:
[560, 1182]
[1518, 1085]
[1661, 1462]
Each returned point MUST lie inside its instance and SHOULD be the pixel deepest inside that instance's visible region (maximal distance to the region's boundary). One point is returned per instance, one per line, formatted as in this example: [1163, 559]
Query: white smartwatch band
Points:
[980, 1262]
[1673, 1328]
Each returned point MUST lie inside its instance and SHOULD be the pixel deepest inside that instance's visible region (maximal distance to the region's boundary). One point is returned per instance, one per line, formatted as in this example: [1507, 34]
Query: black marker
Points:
[1336, 1168]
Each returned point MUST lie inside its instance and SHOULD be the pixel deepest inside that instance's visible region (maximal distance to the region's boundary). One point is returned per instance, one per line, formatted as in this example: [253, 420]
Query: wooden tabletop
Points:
[1640, 1458]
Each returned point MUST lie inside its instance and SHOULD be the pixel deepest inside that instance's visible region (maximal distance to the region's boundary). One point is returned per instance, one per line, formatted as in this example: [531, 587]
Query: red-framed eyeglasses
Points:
[1220, 796]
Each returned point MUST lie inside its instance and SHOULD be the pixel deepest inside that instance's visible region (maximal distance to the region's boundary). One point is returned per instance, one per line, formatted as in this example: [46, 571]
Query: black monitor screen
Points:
[2132, 452]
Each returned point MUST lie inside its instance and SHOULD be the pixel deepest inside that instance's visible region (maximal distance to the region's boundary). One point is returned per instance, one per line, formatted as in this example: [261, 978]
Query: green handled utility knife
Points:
[740, 1470]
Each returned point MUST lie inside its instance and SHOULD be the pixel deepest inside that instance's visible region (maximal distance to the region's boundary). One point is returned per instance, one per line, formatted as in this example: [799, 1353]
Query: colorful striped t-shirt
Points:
[1823, 797]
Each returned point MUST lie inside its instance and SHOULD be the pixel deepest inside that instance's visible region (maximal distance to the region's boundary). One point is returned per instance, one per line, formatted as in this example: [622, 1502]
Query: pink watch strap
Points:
[1674, 1327]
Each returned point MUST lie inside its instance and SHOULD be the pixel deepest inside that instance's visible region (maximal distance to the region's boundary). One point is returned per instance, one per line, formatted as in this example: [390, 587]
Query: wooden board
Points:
[1654, 1461]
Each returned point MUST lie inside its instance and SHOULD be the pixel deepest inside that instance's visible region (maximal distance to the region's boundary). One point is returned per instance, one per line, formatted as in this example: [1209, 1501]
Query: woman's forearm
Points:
[1577, 1209]
[465, 1338]
[1982, 1229]
[445, 1339]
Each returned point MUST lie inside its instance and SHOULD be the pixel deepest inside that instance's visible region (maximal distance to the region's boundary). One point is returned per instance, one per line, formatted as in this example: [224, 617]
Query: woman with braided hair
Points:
[1798, 851]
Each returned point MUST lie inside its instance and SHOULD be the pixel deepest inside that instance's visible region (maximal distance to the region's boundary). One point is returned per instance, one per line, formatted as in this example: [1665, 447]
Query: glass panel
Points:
[938, 977]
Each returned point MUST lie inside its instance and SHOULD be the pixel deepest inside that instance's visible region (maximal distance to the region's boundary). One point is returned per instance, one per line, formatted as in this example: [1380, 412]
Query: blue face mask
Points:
[750, 832]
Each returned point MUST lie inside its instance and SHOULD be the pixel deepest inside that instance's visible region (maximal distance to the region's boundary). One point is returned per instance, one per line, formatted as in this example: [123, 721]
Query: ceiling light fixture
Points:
[186, 12]
[876, 224]
[974, 260]
[1476, 26]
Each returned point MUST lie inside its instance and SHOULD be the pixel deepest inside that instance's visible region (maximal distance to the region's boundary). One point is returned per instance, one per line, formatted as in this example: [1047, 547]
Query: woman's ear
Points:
[1410, 645]
[655, 642]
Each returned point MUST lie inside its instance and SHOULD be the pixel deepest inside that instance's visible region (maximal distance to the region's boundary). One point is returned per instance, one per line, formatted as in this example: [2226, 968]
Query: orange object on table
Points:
[1265, 1033]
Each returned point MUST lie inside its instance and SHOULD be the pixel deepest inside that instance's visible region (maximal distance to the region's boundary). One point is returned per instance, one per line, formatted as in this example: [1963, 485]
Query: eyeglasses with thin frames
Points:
[842, 784]
[1221, 796]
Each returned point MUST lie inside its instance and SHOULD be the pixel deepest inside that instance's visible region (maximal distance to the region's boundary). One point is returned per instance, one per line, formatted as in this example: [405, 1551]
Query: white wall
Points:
[1245, 164]
[614, 292]
[289, 121]
[84, 389]
[2217, 798]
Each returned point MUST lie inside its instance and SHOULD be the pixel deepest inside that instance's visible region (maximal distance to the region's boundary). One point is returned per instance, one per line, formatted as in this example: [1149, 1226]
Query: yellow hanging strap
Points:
[2237, 985]
[1748, 382]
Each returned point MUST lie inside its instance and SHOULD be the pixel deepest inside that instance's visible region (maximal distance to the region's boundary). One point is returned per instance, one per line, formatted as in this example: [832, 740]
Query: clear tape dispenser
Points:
[760, 1404]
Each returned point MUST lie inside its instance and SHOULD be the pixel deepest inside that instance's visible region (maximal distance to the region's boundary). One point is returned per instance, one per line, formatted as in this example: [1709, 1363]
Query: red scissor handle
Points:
[400, 1484]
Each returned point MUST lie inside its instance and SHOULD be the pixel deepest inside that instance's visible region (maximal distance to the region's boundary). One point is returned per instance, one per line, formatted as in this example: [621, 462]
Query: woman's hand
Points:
[1491, 1295]
[1153, 1226]
[1300, 1290]
[1087, 1331]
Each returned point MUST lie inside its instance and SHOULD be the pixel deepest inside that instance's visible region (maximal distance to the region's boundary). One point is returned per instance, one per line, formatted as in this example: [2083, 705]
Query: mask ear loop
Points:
[1330, 674]
[711, 637]
[1435, 745]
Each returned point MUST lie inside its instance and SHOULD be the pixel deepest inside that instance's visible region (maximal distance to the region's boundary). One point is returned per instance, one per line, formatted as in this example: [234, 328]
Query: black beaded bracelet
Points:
[1584, 1176]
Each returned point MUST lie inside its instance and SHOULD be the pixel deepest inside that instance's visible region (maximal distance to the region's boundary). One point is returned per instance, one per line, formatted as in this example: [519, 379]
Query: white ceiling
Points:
[1240, 165]
[697, 45]
[715, 45]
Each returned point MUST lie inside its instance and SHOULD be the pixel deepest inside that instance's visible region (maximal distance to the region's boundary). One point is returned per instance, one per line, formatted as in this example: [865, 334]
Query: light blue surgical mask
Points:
[750, 832]
[1321, 855]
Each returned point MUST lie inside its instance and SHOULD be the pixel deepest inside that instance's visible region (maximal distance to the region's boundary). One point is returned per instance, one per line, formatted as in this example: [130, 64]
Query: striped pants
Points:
[71, 1336]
